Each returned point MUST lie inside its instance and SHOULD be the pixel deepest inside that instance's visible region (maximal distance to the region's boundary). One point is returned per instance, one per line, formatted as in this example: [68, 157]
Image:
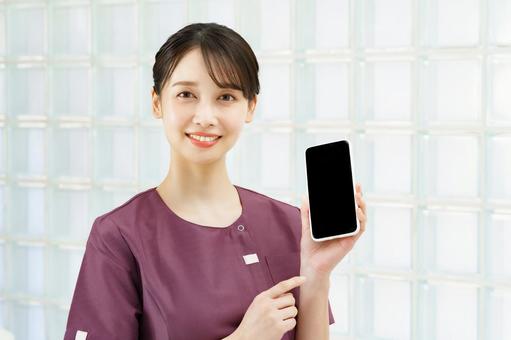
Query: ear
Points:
[251, 109]
[156, 104]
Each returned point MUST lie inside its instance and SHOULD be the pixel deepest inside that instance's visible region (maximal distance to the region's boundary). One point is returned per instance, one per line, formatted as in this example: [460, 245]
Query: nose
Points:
[205, 115]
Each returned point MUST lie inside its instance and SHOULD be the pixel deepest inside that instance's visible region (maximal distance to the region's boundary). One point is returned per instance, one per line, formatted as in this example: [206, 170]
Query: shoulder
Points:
[126, 215]
[111, 231]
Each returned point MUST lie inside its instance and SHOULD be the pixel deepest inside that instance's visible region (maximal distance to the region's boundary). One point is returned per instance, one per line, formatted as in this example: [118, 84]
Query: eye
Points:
[228, 95]
[185, 92]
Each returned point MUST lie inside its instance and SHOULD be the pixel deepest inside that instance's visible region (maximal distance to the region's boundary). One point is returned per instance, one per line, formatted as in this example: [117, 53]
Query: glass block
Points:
[449, 241]
[26, 30]
[114, 157]
[3, 90]
[27, 151]
[2, 32]
[383, 308]
[70, 153]
[159, 20]
[447, 312]
[3, 268]
[499, 73]
[31, 81]
[145, 84]
[497, 247]
[63, 269]
[451, 91]
[222, 11]
[450, 23]
[330, 20]
[275, 160]
[388, 225]
[271, 152]
[499, 25]
[4, 319]
[106, 199]
[70, 30]
[26, 214]
[71, 90]
[27, 269]
[388, 160]
[303, 140]
[451, 166]
[331, 81]
[154, 155]
[3, 208]
[275, 24]
[274, 97]
[340, 302]
[56, 321]
[3, 138]
[28, 314]
[387, 23]
[316, 84]
[499, 167]
[116, 31]
[498, 314]
[386, 90]
[69, 214]
[250, 23]
[116, 91]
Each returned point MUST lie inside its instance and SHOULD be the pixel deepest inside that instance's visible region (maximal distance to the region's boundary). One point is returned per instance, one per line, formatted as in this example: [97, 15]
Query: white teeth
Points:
[203, 138]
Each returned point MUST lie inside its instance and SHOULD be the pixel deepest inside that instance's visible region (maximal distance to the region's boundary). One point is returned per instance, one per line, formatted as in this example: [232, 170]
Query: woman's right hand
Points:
[271, 314]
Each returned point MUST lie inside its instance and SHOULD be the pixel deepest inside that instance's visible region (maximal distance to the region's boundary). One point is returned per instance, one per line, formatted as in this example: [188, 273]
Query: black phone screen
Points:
[330, 189]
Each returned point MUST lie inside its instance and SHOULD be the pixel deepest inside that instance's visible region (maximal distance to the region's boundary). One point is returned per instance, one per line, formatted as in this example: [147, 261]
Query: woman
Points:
[198, 257]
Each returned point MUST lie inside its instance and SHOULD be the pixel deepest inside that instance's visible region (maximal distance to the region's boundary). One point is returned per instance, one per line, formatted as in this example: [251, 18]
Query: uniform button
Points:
[241, 227]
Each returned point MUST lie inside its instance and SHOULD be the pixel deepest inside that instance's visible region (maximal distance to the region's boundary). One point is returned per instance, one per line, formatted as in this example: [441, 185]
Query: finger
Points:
[360, 202]
[304, 213]
[285, 286]
[288, 312]
[361, 216]
[285, 300]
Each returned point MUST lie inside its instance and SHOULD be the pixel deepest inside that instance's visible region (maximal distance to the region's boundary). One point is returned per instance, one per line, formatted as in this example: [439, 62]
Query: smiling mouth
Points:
[204, 141]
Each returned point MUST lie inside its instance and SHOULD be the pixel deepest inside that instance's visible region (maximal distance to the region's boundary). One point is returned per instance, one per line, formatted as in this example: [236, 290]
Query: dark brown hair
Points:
[228, 57]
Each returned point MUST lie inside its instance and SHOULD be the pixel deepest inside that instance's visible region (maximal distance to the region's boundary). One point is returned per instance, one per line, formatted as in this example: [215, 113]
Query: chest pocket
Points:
[283, 266]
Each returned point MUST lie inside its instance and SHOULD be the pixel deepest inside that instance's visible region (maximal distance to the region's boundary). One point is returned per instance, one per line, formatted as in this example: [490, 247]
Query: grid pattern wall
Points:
[420, 87]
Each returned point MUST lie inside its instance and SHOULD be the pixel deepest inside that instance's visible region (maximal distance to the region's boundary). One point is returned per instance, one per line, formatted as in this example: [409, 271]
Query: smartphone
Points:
[331, 190]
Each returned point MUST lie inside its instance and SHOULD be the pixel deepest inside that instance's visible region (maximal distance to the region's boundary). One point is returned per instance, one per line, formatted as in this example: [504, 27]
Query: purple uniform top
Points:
[149, 274]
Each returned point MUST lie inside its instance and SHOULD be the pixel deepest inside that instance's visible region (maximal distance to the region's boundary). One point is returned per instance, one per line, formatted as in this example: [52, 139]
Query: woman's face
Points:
[191, 102]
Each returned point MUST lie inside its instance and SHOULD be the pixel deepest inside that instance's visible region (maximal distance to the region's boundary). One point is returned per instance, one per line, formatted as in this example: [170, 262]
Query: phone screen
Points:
[330, 189]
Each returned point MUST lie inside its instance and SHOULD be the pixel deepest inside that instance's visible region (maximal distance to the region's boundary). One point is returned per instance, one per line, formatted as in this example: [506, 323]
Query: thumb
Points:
[304, 211]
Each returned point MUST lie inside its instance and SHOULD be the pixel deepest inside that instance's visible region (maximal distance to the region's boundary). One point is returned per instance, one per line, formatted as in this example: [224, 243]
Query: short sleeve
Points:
[106, 301]
[331, 319]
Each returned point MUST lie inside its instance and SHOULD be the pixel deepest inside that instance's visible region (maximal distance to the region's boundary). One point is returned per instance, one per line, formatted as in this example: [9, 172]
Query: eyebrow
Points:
[186, 83]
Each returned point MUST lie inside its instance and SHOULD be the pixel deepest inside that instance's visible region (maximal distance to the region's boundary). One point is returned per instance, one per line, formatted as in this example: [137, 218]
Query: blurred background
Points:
[422, 88]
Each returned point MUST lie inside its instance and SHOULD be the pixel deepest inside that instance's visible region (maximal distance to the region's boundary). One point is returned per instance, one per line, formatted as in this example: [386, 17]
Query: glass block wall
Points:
[420, 87]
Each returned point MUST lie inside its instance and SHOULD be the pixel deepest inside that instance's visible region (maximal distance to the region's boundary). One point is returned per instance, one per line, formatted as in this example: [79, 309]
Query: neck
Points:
[196, 184]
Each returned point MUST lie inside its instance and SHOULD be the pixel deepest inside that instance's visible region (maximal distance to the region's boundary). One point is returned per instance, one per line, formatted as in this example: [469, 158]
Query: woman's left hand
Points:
[320, 258]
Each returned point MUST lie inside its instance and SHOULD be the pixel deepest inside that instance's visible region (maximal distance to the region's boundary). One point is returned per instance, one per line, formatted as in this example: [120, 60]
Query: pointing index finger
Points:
[286, 285]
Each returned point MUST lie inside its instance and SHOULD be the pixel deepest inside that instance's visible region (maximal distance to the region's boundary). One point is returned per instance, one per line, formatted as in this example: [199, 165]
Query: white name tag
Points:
[251, 258]
[81, 335]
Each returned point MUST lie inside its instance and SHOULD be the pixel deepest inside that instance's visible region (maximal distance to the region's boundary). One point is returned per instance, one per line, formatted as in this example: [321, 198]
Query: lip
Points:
[203, 144]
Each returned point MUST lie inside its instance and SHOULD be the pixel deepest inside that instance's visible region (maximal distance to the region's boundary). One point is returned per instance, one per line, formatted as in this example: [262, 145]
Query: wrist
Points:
[319, 280]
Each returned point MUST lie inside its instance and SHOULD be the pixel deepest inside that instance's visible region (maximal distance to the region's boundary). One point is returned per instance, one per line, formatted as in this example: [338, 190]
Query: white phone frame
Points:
[354, 198]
